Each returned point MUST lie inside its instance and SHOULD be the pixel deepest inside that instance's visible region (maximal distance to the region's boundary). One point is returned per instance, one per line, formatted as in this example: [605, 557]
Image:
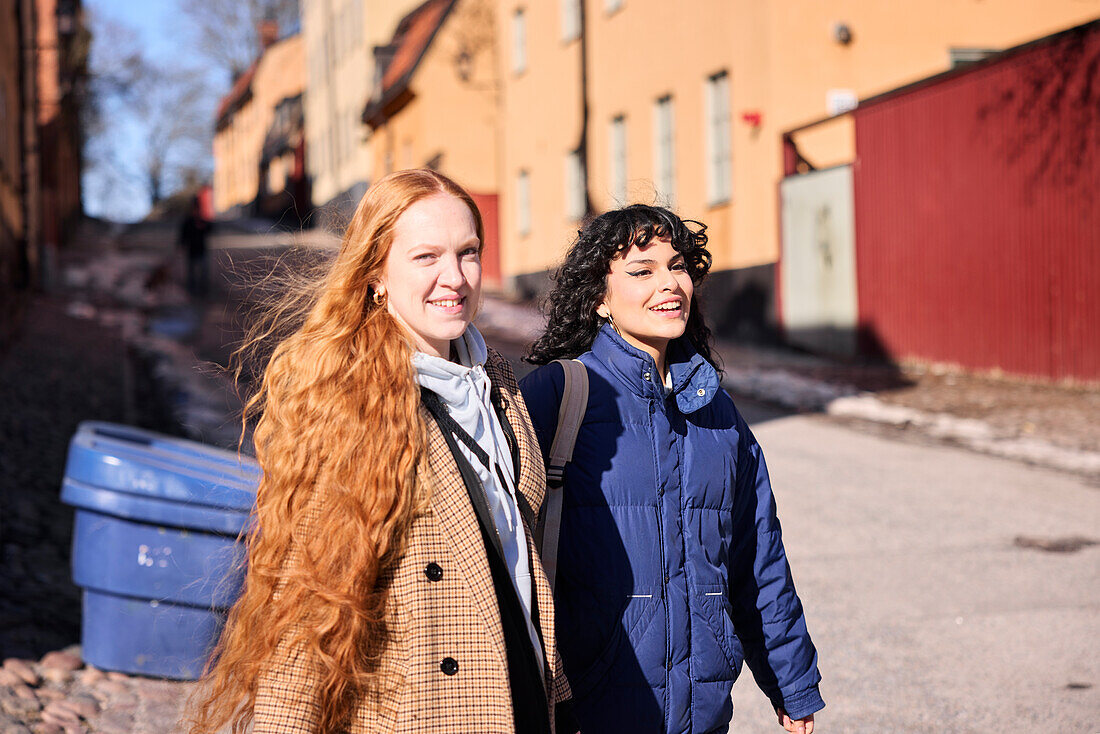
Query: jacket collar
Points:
[694, 380]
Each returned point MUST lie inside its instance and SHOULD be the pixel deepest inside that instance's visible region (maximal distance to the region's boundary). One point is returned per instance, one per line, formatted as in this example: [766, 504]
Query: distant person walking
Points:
[192, 239]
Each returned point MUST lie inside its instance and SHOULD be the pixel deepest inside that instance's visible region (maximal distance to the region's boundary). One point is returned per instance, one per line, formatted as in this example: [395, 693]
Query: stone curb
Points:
[802, 394]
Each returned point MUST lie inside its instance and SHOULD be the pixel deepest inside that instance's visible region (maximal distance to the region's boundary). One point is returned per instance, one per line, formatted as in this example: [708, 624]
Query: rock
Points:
[49, 694]
[19, 707]
[91, 676]
[53, 675]
[61, 660]
[112, 687]
[14, 728]
[116, 676]
[115, 722]
[8, 678]
[124, 700]
[43, 727]
[24, 692]
[83, 706]
[22, 669]
[58, 711]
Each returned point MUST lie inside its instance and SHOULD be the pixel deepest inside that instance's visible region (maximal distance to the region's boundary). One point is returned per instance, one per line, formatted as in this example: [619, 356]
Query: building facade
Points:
[340, 37]
[608, 102]
[43, 55]
[17, 171]
[62, 58]
[436, 103]
[247, 115]
[968, 233]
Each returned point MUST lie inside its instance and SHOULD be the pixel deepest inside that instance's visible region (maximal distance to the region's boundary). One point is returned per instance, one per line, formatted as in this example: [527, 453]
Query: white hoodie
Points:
[464, 388]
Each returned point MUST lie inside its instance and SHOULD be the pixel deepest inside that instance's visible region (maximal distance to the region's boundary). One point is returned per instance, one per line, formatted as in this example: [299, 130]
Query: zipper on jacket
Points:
[664, 570]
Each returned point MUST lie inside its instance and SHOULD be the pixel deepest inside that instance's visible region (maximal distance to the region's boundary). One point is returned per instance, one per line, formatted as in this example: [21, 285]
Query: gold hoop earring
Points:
[379, 298]
[611, 321]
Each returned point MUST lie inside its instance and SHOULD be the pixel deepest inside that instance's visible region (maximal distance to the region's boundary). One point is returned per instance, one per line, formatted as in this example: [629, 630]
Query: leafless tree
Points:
[147, 126]
[224, 32]
[176, 109]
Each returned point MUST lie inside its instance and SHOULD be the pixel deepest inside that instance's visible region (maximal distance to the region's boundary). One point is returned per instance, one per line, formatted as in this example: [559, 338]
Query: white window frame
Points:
[719, 161]
[570, 11]
[617, 147]
[523, 203]
[664, 150]
[574, 187]
[519, 41]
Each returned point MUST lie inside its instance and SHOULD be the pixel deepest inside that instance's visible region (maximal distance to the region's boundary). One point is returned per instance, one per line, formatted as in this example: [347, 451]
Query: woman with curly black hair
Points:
[670, 567]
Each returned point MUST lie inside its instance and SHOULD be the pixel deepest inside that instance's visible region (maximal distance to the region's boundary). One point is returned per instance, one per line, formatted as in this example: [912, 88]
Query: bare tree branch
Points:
[225, 32]
[148, 125]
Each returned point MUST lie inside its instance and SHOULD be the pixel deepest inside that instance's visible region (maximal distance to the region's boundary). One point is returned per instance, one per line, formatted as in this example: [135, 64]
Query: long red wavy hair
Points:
[340, 441]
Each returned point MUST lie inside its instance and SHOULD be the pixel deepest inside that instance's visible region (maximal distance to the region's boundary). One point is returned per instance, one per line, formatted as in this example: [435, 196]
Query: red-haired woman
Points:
[392, 581]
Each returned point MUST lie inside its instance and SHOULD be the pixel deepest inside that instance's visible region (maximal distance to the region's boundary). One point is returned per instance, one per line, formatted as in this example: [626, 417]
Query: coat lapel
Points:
[532, 489]
[459, 524]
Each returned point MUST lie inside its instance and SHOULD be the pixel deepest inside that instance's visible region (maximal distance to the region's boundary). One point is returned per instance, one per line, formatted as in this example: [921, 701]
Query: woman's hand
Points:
[798, 726]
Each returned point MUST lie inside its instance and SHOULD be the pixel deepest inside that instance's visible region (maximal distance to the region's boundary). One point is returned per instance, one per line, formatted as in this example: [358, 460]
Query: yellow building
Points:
[685, 104]
[436, 102]
[340, 37]
[245, 116]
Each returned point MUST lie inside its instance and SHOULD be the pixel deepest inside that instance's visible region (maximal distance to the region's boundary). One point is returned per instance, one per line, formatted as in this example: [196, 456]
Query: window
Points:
[519, 41]
[664, 157]
[338, 138]
[523, 203]
[570, 20]
[350, 128]
[718, 138]
[618, 160]
[574, 186]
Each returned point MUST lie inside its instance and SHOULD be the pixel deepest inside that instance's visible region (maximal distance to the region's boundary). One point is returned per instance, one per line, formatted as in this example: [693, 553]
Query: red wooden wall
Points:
[977, 206]
[488, 204]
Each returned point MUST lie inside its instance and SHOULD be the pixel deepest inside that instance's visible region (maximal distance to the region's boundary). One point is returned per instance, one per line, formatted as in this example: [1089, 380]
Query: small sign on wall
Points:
[839, 101]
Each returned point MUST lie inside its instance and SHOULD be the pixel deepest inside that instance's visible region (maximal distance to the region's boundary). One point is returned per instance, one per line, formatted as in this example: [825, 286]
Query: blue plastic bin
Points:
[155, 546]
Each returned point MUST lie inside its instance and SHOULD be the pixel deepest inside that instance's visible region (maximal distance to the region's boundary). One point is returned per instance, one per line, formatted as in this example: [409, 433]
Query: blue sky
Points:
[162, 38]
[152, 18]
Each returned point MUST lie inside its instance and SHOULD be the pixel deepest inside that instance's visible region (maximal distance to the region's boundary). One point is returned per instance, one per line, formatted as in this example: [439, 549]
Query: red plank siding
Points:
[977, 199]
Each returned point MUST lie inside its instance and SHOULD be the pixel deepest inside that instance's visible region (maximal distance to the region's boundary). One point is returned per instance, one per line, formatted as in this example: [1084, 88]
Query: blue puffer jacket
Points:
[671, 567]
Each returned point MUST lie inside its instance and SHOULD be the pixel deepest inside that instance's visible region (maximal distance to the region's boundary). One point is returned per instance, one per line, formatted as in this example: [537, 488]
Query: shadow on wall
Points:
[740, 305]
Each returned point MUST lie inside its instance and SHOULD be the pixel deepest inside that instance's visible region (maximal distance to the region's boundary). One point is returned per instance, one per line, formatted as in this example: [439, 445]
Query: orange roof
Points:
[403, 53]
[239, 91]
[412, 40]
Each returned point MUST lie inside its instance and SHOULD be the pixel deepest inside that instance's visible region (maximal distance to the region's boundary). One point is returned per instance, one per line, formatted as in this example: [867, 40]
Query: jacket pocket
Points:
[716, 653]
[635, 616]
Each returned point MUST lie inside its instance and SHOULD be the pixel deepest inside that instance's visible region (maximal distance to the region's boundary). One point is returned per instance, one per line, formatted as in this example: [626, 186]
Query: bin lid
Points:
[151, 511]
[133, 461]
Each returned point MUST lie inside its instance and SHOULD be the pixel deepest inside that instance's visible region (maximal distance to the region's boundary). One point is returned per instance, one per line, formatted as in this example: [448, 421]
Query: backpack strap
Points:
[574, 402]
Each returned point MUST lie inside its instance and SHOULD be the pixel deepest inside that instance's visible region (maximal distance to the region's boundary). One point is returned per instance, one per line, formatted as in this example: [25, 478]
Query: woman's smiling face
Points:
[648, 296]
[432, 277]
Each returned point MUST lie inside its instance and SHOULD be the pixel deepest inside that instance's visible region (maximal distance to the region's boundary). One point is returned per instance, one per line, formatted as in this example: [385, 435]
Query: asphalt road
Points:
[928, 611]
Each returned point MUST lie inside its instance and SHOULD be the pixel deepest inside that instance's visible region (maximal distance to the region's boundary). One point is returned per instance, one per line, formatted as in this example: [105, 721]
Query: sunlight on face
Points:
[432, 277]
[648, 296]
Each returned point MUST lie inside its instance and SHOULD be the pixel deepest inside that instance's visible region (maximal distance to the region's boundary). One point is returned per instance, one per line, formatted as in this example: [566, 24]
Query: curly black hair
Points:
[581, 281]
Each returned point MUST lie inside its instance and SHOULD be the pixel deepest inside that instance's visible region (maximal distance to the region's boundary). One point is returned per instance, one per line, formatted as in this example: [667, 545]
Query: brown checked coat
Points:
[435, 616]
